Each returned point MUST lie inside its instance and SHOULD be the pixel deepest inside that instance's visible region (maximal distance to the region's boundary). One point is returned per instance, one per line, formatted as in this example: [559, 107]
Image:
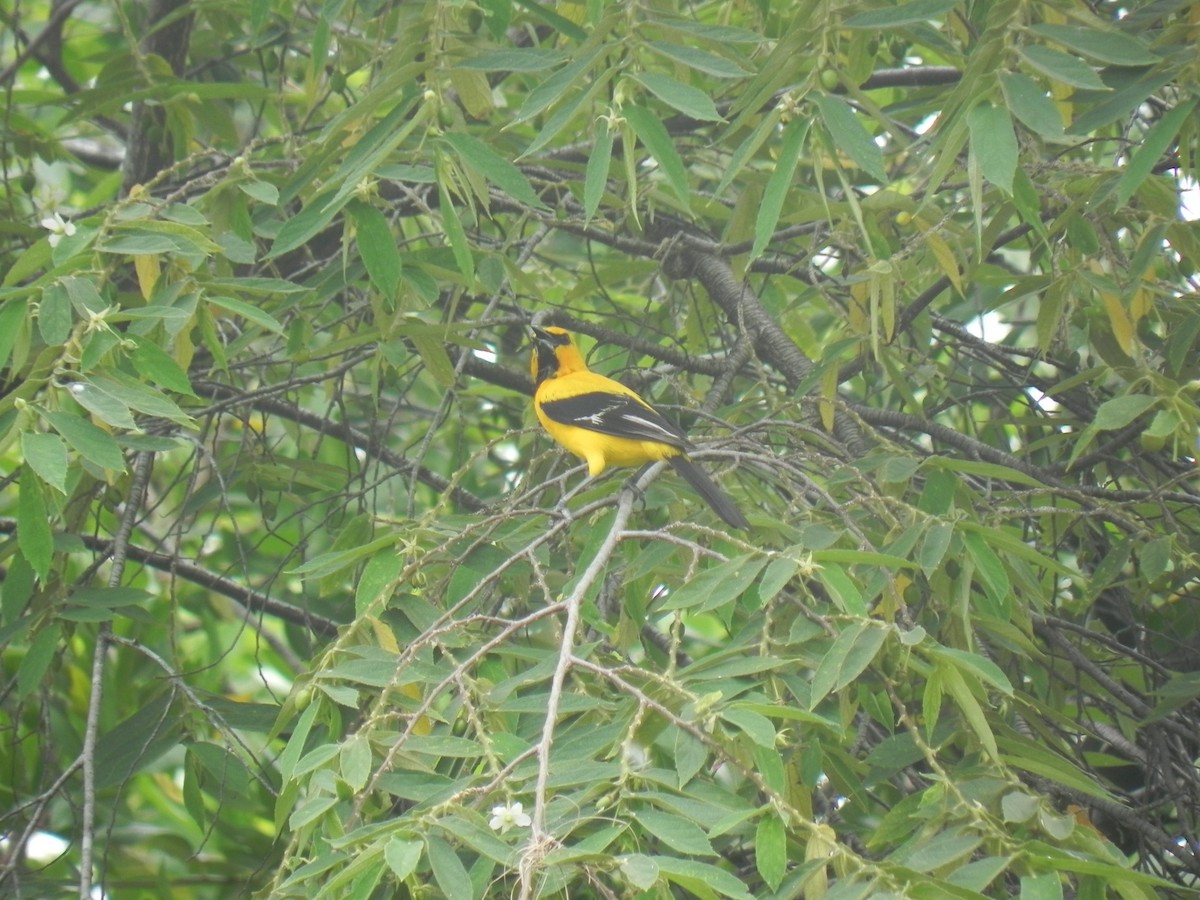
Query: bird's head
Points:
[554, 353]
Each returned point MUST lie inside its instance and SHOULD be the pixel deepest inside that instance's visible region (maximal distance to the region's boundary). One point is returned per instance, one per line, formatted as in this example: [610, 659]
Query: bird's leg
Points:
[631, 485]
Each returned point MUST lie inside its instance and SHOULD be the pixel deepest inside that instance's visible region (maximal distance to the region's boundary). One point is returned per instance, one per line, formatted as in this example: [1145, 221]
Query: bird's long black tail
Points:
[707, 488]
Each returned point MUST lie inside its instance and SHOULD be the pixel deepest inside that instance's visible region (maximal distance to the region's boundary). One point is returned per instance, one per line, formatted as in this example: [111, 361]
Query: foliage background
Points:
[295, 595]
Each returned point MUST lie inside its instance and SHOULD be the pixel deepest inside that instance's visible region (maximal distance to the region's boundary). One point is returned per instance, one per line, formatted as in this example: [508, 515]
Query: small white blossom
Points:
[507, 816]
[58, 227]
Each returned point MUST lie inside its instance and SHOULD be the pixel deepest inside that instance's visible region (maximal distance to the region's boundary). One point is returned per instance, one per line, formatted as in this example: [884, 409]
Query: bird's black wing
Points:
[616, 415]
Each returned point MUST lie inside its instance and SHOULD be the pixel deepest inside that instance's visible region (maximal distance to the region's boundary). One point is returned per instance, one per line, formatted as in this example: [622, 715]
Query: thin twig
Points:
[538, 838]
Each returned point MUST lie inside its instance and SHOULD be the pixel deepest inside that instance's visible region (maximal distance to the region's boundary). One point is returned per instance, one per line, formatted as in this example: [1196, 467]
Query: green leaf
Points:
[994, 144]
[852, 651]
[1154, 558]
[54, 315]
[1181, 343]
[941, 850]
[377, 245]
[432, 351]
[698, 877]
[477, 155]
[676, 832]
[1028, 202]
[1031, 105]
[524, 59]
[1018, 806]
[690, 101]
[135, 743]
[402, 856]
[262, 191]
[12, 318]
[916, 12]
[84, 295]
[1156, 143]
[1062, 67]
[315, 759]
[553, 88]
[297, 230]
[478, 838]
[338, 560]
[374, 147]
[1121, 102]
[140, 397]
[755, 726]
[701, 60]
[105, 407]
[977, 666]
[1111, 47]
[934, 545]
[255, 285]
[596, 177]
[1046, 886]
[981, 469]
[766, 128]
[38, 656]
[110, 597]
[1057, 825]
[250, 313]
[34, 536]
[28, 262]
[779, 186]
[1118, 412]
[770, 849]
[354, 761]
[310, 810]
[377, 580]
[96, 349]
[1049, 855]
[849, 135]
[46, 454]
[717, 585]
[94, 444]
[1031, 756]
[158, 367]
[978, 874]
[690, 755]
[455, 233]
[861, 558]
[145, 244]
[546, 14]
[222, 766]
[567, 112]
[640, 870]
[843, 588]
[653, 135]
[991, 571]
[778, 573]
[158, 236]
[448, 870]
[290, 756]
[956, 686]
[718, 34]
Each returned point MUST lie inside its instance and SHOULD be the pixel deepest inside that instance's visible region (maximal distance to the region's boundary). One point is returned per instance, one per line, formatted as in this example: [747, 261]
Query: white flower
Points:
[58, 228]
[507, 816]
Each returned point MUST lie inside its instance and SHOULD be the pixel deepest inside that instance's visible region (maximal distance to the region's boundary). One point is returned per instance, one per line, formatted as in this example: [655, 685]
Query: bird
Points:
[605, 423]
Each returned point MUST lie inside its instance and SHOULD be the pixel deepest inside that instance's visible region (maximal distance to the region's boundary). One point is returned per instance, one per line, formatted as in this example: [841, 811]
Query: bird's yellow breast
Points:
[597, 449]
[602, 450]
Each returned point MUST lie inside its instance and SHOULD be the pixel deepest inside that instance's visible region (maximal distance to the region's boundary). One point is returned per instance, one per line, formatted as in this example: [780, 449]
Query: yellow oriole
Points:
[605, 423]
